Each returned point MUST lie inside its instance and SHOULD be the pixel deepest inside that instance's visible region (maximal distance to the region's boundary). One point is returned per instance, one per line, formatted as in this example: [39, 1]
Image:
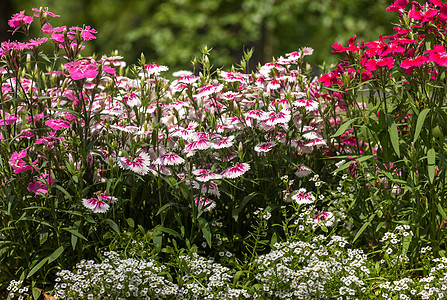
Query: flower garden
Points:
[131, 182]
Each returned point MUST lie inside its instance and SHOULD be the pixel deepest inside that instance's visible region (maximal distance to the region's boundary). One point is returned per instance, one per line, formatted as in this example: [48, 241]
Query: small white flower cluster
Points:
[432, 286]
[205, 279]
[114, 277]
[15, 289]
[302, 270]
[393, 243]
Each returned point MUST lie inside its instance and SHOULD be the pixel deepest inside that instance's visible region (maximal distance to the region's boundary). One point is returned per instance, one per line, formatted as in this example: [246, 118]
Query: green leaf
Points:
[36, 293]
[112, 225]
[441, 211]
[130, 222]
[420, 123]
[394, 137]
[206, 230]
[163, 208]
[74, 241]
[343, 128]
[168, 230]
[37, 267]
[406, 244]
[55, 254]
[431, 160]
[363, 227]
[274, 239]
[74, 232]
[67, 194]
[237, 276]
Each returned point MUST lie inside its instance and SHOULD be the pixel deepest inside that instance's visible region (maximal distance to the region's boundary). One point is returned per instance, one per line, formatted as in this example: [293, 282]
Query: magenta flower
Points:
[8, 120]
[43, 12]
[96, 205]
[87, 33]
[18, 164]
[41, 186]
[57, 124]
[139, 164]
[19, 19]
[236, 171]
[81, 69]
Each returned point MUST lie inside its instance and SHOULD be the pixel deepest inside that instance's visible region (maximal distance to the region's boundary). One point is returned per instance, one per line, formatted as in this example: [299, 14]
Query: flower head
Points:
[96, 205]
[139, 163]
[236, 171]
[205, 204]
[302, 196]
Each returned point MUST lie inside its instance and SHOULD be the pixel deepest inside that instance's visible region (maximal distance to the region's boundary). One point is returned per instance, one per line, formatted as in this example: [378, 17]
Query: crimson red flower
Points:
[397, 5]
[413, 62]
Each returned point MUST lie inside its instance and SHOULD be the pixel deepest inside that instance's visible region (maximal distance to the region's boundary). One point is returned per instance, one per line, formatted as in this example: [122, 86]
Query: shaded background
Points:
[172, 32]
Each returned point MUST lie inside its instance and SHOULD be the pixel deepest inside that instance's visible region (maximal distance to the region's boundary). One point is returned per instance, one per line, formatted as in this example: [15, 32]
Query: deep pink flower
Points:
[43, 12]
[331, 78]
[19, 19]
[397, 5]
[81, 69]
[372, 64]
[87, 33]
[11, 119]
[57, 124]
[236, 171]
[413, 62]
[18, 164]
[41, 186]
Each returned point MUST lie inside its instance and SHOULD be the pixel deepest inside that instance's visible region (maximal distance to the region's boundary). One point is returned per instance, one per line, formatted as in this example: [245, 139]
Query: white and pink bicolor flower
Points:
[236, 171]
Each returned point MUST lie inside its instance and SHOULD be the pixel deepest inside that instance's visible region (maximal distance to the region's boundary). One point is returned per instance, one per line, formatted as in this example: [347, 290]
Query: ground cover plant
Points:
[223, 184]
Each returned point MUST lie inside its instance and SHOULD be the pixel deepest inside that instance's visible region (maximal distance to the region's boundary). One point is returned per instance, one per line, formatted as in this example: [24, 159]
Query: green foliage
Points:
[171, 32]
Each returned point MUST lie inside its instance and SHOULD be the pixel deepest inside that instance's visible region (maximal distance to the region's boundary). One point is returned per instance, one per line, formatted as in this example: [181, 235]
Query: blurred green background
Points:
[172, 32]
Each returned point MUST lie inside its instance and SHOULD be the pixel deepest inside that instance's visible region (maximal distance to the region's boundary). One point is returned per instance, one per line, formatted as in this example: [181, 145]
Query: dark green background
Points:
[172, 32]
